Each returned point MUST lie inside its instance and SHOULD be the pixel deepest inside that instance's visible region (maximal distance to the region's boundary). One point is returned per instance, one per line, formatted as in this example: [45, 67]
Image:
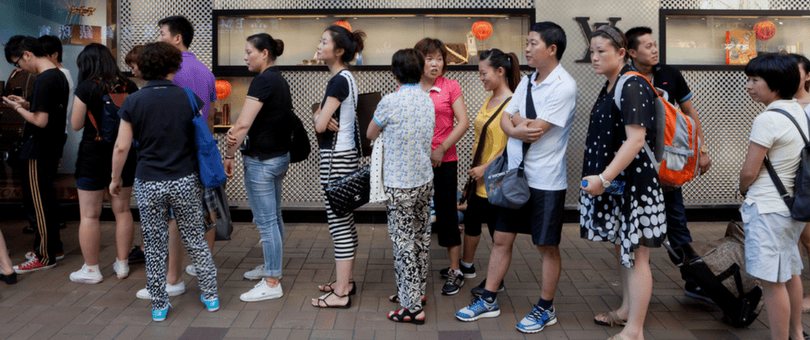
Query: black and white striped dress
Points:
[339, 149]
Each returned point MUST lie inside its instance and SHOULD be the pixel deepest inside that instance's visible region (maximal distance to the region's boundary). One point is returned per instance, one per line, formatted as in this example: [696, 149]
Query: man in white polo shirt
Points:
[540, 124]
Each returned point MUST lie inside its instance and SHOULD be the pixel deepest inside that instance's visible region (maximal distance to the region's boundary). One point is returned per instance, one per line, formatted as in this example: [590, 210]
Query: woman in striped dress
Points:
[335, 121]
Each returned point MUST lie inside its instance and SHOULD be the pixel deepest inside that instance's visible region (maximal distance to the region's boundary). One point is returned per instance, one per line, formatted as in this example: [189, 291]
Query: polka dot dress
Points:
[637, 216]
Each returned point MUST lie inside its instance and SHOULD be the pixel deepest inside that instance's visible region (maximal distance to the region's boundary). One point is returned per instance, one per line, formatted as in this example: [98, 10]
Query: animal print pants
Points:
[185, 196]
[409, 228]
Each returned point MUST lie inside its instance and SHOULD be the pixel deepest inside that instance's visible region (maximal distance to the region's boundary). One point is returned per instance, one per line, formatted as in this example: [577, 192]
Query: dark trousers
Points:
[445, 185]
[480, 211]
[40, 194]
[677, 232]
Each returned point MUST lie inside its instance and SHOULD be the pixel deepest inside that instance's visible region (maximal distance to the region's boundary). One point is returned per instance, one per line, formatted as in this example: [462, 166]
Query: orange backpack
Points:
[676, 157]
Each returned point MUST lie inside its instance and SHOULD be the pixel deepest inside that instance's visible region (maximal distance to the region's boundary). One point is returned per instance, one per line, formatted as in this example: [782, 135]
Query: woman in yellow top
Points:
[500, 74]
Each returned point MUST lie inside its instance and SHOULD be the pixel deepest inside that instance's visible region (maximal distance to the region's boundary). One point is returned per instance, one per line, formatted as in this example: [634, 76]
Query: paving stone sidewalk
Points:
[47, 304]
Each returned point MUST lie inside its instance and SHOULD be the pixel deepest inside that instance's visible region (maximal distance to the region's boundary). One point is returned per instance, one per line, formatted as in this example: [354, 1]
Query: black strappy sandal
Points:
[395, 299]
[351, 292]
[323, 298]
[405, 315]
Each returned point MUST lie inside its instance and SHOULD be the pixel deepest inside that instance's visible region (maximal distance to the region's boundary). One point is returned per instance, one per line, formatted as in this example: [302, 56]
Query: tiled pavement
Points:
[47, 305]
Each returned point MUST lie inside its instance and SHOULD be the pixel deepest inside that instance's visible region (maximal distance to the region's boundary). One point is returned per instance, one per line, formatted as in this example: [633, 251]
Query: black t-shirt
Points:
[337, 87]
[270, 132]
[672, 82]
[95, 157]
[91, 94]
[161, 114]
[51, 91]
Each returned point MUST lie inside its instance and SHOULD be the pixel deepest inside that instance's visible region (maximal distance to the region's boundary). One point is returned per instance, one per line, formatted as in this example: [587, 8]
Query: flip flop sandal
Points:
[611, 319]
[323, 304]
[329, 286]
[395, 299]
[405, 315]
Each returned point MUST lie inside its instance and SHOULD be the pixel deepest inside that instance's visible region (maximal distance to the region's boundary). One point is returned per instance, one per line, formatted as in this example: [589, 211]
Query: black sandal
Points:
[351, 292]
[326, 305]
[405, 315]
[395, 299]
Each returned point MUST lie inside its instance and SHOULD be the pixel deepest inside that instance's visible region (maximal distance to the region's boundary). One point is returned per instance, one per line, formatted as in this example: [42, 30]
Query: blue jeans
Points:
[263, 183]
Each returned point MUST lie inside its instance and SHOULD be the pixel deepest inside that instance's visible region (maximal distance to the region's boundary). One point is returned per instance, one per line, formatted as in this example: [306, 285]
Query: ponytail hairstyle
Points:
[509, 62]
[263, 41]
[350, 42]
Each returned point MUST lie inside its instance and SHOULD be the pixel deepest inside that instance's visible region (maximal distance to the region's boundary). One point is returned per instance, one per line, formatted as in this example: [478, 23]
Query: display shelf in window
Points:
[387, 30]
[728, 39]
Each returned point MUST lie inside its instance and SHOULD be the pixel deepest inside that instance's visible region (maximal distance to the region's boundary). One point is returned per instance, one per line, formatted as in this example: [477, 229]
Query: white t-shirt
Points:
[555, 101]
[777, 133]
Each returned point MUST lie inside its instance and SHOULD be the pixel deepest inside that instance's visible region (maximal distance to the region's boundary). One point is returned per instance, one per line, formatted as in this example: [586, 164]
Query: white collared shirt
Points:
[555, 100]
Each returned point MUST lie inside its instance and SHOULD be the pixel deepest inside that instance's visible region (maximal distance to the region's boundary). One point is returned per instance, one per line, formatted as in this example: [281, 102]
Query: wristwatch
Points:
[605, 184]
[704, 148]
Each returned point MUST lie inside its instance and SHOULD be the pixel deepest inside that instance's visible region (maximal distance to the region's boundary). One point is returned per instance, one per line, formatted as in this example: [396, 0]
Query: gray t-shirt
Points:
[161, 114]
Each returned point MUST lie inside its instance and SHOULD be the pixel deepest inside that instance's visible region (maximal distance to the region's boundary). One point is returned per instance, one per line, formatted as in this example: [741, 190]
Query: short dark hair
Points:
[805, 64]
[18, 44]
[780, 72]
[633, 34]
[430, 46]
[97, 63]
[350, 42]
[51, 45]
[551, 34]
[178, 24]
[132, 56]
[158, 59]
[263, 41]
[408, 65]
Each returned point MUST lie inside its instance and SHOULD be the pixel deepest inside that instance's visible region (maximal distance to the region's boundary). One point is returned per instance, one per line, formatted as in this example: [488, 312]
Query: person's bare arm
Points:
[627, 152]
[753, 163]
[689, 109]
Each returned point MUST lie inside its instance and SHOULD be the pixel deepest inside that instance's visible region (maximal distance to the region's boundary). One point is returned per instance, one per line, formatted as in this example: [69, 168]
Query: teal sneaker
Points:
[538, 319]
[212, 305]
[478, 309]
[159, 315]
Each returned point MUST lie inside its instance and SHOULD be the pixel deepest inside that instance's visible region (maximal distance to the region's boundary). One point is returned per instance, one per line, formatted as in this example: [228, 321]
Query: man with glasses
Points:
[43, 136]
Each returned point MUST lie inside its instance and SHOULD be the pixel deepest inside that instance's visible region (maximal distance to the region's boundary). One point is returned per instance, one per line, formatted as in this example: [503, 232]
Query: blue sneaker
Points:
[159, 315]
[478, 309]
[212, 305]
[538, 319]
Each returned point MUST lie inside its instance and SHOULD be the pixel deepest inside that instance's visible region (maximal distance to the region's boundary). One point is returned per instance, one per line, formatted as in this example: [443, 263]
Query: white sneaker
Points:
[173, 290]
[87, 275]
[191, 270]
[262, 291]
[255, 274]
[121, 268]
[30, 254]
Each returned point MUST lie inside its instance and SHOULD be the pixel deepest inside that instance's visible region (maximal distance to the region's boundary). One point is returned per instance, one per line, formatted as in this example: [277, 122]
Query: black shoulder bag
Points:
[350, 192]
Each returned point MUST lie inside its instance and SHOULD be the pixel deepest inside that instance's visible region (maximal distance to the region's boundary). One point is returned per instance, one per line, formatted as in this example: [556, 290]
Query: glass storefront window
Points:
[706, 37]
[386, 33]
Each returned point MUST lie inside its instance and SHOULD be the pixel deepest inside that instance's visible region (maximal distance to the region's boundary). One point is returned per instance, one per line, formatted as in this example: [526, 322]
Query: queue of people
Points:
[525, 119]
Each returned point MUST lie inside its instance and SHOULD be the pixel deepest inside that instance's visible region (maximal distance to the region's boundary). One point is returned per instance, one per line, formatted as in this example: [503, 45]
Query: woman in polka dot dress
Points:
[633, 219]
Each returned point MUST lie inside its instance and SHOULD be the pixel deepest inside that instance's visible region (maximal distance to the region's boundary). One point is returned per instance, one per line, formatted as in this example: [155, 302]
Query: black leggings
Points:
[445, 184]
[479, 211]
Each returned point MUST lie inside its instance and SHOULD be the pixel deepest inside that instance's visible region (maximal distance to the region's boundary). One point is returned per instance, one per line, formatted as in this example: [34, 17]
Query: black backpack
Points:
[107, 130]
[799, 204]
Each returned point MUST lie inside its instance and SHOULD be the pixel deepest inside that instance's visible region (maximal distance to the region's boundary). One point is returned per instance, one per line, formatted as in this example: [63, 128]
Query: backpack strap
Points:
[617, 99]
[769, 166]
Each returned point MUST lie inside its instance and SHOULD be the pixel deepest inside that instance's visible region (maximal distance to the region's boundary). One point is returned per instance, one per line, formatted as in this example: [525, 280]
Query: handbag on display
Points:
[469, 188]
[377, 191]
[352, 191]
[510, 188]
[212, 172]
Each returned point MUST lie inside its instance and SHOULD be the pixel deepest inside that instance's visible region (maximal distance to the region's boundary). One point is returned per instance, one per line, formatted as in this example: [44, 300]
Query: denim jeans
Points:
[263, 183]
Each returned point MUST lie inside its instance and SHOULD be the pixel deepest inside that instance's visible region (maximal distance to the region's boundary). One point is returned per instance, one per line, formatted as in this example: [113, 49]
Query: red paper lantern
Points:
[482, 29]
[343, 23]
[765, 30]
[223, 89]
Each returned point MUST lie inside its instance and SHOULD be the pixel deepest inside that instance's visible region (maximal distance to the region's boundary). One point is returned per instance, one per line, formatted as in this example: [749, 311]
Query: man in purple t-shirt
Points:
[178, 32]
